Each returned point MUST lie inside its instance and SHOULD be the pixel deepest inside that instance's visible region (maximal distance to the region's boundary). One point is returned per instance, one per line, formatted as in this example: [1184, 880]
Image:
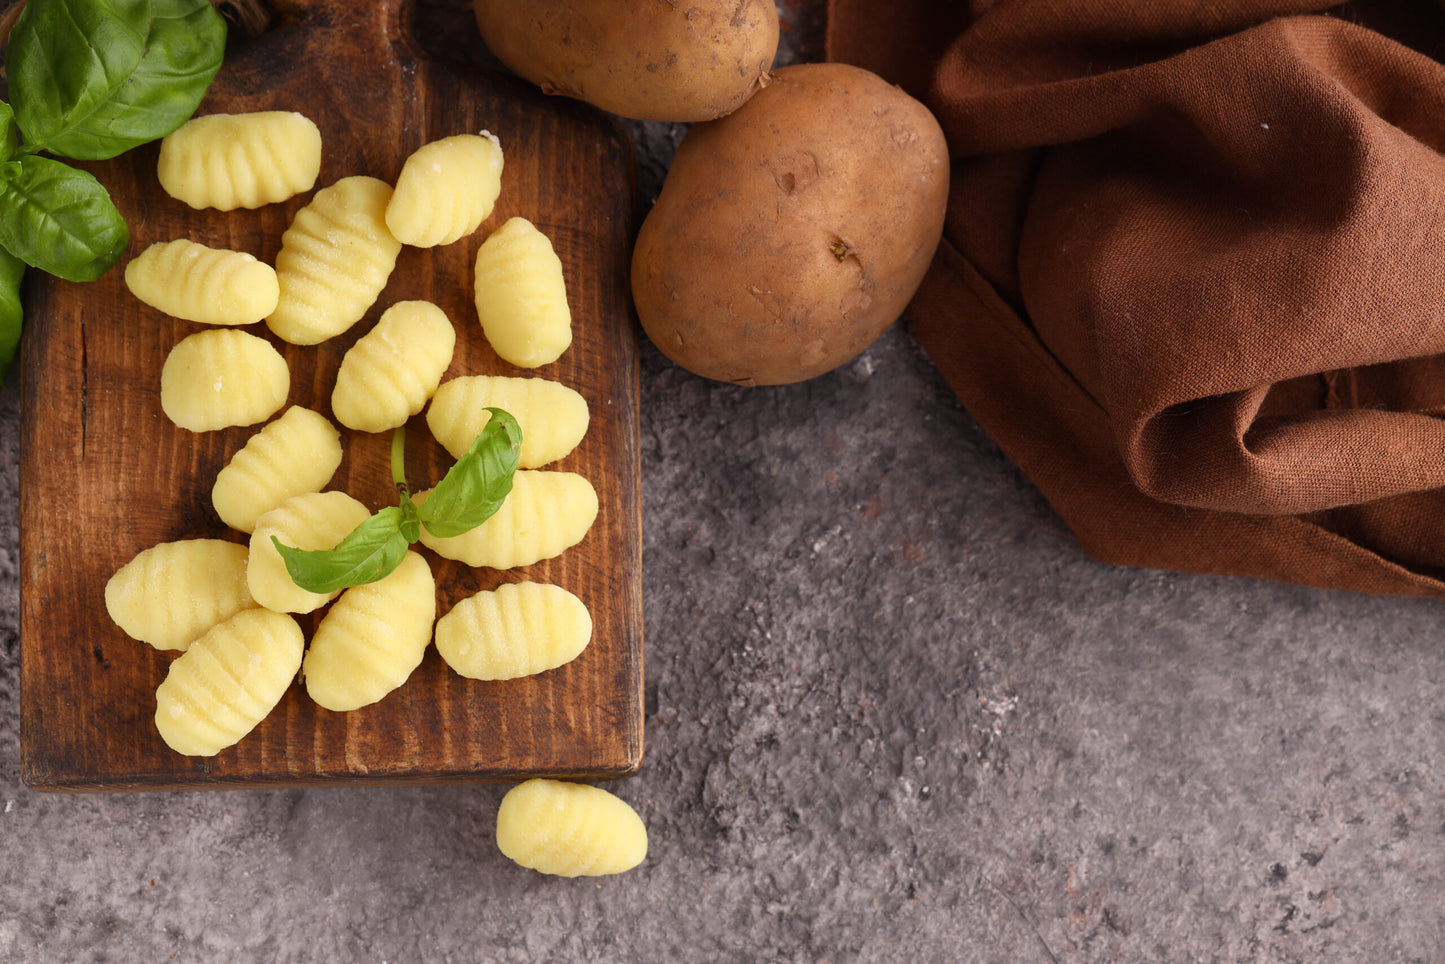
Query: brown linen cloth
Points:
[1193, 275]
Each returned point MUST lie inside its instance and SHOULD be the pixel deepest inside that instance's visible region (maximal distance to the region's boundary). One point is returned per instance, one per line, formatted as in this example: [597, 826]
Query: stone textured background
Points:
[893, 714]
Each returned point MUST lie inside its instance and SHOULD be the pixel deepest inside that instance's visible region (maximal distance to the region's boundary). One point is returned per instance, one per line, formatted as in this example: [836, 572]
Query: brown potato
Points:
[659, 61]
[790, 234]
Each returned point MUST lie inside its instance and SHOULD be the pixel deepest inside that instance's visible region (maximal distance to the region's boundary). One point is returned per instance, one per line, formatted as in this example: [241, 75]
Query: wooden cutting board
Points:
[104, 474]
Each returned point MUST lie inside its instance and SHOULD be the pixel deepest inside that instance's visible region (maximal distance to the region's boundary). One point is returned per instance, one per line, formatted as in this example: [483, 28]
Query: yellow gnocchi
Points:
[213, 286]
[372, 638]
[335, 258]
[517, 629]
[312, 520]
[545, 515]
[221, 377]
[228, 681]
[569, 829]
[553, 417]
[298, 452]
[446, 189]
[229, 161]
[391, 371]
[170, 594]
[521, 296]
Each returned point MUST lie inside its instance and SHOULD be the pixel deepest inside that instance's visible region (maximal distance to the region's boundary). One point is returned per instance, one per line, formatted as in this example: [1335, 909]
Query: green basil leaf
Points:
[60, 220]
[93, 78]
[370, 552]
[9, 133]
[12, 270]
[475, 487]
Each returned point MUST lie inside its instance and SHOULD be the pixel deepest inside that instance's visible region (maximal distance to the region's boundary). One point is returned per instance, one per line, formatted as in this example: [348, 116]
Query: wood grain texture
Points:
[104, 474]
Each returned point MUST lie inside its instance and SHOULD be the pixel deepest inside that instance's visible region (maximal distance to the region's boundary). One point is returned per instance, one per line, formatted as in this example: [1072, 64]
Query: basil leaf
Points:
[369, 553]
[9, 133]
[93, 78]
[12, 270]
[60, 220]
[475, 487]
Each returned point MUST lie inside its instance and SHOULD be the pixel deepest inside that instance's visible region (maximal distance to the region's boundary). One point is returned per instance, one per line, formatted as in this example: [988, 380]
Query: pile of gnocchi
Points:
[230, 608]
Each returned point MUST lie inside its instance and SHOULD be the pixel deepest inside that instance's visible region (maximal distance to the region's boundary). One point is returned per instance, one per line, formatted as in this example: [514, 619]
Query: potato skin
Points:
[656, 60]
[792, 233]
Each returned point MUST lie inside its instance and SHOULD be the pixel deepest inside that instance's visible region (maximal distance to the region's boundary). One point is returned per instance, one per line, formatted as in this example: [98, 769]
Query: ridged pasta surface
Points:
[313, 520]
[298, 452]
[335, 258]
[213, 286]
[221, 377]
[545, 515]
[372, 638]
[446, 189]
[229, 161]
[569, 829]
[517, 629]
[391, 371]
[552, 416]
[521, 296]
[227, 681]
[173, 592]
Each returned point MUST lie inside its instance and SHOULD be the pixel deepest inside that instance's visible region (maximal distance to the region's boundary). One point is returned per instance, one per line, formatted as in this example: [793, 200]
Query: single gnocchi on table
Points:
[521, 295]
[228, 681]
[518, 629]
[552, 416]
[221, 377]
[335, 259]
[446, 189]
[546, 514]
[213, 286]
[173, 592]
[229, 161]
[313, 520]
[391, 371]
[296, 453]
[569, 829]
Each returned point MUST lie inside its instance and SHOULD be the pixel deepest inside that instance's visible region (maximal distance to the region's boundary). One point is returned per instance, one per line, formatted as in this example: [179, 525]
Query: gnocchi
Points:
[213, 286]
[335, 258]
[517, 629]
[170, 594]
[446, 189]
[391, 371]
[229, 161]
[221, 377]
[228, 681]
[372, 638]
[552, 416]
[298, 452]
[313, 520]
[569, 829]
[545, 515]
[521, 295]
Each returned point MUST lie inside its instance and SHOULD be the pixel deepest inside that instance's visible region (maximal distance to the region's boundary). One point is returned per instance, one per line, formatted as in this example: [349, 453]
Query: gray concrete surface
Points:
[893, 714]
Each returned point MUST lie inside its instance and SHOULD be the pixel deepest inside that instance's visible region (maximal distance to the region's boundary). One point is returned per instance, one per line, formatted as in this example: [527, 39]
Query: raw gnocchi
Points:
[227, 681]
[517, 629]
[213, 286]
[391, 371]
[170, 594]
[335, 258]
[552, 416]
[545, 515]
[521, 295]
[221, 377]
[372, 638]
[446, 189]
[313, 520]
[298, 452]
[569, 829]
[229, 161]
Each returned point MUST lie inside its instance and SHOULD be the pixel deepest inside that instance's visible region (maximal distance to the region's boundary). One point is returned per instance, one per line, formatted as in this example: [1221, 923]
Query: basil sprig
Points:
[470, 493]
[89, 79]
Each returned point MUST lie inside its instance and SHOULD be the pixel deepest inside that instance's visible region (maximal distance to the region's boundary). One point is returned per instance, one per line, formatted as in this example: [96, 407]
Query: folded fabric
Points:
[1193, 275]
